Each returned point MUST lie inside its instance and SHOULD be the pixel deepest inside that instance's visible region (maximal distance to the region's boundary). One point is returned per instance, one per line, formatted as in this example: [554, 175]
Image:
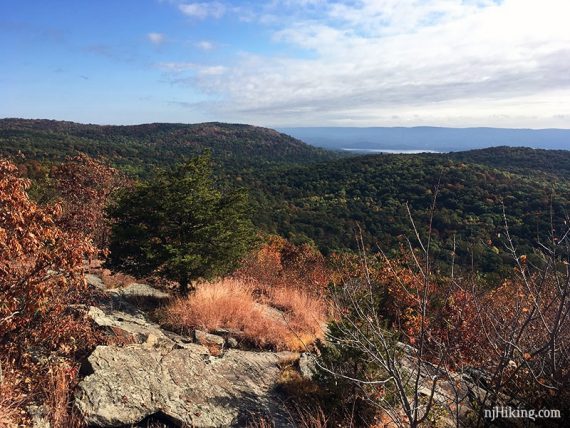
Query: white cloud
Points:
[156, 38]
[199, 70]
[214, 70]
[452, 62]
[205, 45]
[203, 10]
[176, 67]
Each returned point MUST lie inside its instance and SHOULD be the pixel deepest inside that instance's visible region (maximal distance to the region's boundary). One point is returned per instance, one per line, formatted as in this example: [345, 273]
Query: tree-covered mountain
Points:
[553, 163]
[325, 202]
[139, 147]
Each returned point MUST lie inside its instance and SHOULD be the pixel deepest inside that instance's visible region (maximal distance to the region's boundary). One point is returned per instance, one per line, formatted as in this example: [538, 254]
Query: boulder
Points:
[132, 328]
[230, 335]
[206, 339]
[308, 365]
[94, 281]
[186, 385]
[232, 342]
[141, 291]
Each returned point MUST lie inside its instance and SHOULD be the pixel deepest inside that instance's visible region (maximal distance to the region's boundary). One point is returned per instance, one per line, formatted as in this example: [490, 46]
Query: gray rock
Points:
[204, 338]
[135, 327]
[232, 342]
[407, 349]
[227, 332]
[187, 385]
[288, 358]
[94, 281]
[140, 290]
[38, 416]
[307, 365]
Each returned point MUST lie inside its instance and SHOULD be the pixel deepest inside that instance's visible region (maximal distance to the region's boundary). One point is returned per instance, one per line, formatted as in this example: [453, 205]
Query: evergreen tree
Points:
[180, 225]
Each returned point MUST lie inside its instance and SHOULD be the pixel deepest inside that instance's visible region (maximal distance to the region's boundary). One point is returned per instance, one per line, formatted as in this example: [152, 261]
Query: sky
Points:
[282, 63]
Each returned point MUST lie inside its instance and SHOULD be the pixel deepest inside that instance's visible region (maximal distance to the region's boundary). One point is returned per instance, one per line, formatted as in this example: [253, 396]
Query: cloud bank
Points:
[395, 62]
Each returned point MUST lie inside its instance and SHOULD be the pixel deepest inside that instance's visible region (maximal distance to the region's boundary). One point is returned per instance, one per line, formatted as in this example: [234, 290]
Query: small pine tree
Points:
[179, 225]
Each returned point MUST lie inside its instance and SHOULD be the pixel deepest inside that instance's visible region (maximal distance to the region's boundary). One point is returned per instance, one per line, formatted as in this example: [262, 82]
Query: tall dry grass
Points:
[307, 312]
[60, 378]
[231, 304]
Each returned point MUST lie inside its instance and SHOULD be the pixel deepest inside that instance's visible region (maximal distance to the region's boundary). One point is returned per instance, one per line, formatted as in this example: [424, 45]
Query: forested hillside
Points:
[325, 202]
[138, 148]
[554, 163]
[308, 194]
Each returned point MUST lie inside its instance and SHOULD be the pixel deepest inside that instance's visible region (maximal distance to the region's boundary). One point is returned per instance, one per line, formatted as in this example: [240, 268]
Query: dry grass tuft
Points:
[8, 413]
[230, 304]
[307, 312]
[311, 418]
[259, 422]
[61, 379]
[225, 304]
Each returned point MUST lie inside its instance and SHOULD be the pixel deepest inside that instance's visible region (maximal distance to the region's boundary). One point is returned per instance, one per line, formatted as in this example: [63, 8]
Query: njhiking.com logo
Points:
[501, 412]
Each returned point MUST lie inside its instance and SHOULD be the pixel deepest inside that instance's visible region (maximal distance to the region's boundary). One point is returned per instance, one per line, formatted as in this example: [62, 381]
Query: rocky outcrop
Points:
[140, 291]
[208, 339]
[131, 327]
[161, 373]
[186, 385]
[94, 281]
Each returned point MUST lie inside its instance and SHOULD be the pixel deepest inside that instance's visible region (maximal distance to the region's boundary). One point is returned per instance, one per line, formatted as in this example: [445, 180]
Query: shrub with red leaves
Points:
[41, 276]
[279, 263]
[84, 186]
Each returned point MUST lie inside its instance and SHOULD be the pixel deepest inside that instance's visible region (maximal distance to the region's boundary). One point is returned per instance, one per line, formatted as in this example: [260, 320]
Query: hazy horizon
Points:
[316, 126]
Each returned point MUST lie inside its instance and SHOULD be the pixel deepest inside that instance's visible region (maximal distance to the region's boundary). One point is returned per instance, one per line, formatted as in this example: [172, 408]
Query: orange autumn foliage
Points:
[280, 263]
[84, 186]
[39, 263]
[41, 277]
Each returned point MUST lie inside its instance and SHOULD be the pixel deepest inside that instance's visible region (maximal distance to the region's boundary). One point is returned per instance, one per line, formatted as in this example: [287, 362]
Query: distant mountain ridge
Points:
[141, 146]
[524, 160]
[429, 138]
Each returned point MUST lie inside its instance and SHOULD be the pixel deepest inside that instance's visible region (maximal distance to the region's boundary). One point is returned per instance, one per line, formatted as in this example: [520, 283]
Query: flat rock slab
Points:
[187, 385]
[140, 290]
[132, 325]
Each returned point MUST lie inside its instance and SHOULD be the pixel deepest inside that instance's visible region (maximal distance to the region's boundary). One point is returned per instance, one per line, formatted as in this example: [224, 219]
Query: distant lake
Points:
[407, 152]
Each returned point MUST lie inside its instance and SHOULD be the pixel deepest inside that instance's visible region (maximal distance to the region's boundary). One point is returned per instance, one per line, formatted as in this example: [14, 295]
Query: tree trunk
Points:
[184, 285]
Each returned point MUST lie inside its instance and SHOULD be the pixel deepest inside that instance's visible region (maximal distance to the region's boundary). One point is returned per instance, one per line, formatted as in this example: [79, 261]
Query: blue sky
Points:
[288, 62]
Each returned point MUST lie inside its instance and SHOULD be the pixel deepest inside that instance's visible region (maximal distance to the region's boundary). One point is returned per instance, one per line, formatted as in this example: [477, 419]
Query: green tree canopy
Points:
[180, 225]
